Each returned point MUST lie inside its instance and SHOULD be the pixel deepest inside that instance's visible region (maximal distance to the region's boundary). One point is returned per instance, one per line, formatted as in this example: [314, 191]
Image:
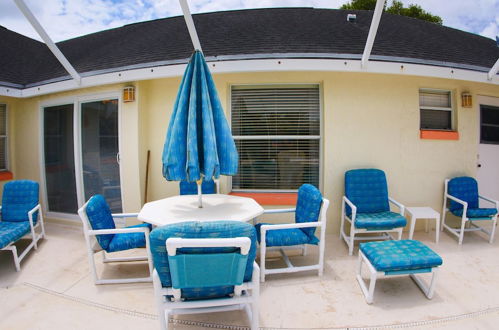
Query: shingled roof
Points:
[256, 33]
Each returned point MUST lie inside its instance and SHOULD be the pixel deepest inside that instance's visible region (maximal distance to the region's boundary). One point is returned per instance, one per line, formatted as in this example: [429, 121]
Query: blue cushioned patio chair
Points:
[310, 213]
[202, 267]
[101, 234]
[366, 207]
[21, 216]
[462, 192]
[191, 188]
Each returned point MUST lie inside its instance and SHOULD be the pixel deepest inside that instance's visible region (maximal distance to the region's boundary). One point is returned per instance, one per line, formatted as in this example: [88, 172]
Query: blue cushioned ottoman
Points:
[405, 257]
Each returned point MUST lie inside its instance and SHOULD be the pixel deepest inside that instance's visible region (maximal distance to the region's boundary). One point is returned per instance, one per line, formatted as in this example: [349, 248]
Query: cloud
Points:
[64, 19]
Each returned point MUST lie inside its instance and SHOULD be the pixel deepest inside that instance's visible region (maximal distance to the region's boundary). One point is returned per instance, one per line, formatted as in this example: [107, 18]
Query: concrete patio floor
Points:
[54, 290]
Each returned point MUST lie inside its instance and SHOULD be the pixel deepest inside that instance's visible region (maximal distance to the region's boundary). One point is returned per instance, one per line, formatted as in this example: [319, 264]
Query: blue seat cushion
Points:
[100, 217]
[191, 188]
[400, 255]
[126, 241]
[367, 190]
[19, 197]
[464, 188]
[285, 237]
[198, 229]
[308, 207]
[379, 220]
[12, 231]
[476, 212]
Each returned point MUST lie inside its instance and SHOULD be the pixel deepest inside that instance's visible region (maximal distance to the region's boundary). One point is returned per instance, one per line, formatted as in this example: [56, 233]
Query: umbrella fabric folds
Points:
[199, 143]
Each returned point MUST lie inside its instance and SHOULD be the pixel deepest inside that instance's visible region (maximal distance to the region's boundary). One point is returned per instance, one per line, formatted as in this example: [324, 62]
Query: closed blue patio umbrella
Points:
[199, 144]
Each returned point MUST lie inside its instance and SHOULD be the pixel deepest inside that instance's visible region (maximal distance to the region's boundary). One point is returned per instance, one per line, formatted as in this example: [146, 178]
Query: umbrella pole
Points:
[200, 193]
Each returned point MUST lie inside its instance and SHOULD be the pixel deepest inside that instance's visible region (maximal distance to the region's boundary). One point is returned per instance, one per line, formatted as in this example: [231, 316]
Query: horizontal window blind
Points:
[435, 109]
[3, 137]
[277, 134]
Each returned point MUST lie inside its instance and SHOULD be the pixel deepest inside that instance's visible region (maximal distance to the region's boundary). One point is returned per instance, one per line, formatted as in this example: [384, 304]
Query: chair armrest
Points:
[119, 231]
[30, 214]
[457, 200]
[124, 215]
[490, 200]
[399, 205]
[279, 211]
[345, 200]
[291, 225]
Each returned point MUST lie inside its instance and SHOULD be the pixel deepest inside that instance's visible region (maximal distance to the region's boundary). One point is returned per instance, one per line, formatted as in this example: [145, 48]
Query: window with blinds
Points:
[3, 137]
[435, 109]
[277, 135]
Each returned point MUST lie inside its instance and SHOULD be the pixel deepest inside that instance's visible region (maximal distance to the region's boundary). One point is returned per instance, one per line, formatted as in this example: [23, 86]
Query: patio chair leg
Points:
[352, 240]
[42, 225]
[493, 231]
[16, 258]
[263, 249]
[255, 306]
[400, 234]
[461, 234]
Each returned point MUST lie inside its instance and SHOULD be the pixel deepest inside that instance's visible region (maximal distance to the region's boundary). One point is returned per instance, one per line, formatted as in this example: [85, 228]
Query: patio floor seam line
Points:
[452, 318]
[74, 284]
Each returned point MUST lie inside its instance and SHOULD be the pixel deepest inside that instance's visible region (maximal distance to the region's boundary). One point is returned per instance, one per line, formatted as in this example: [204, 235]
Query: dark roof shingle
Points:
[311, 31]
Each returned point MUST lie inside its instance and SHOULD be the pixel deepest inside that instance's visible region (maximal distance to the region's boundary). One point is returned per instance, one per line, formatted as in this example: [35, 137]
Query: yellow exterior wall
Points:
[369, 120]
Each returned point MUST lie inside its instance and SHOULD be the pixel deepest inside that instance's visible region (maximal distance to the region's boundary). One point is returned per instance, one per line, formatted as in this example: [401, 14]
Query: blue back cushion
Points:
[100, 217]
[308, 207]
[197, 229]
[19, 197]
[367, 189]
[191, 188]
[464, 188]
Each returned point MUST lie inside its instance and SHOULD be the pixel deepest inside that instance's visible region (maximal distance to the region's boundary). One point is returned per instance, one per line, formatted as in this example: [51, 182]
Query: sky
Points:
[66, 19]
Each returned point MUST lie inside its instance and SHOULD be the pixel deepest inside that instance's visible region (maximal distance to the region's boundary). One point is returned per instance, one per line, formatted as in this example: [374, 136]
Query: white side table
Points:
[424, 213]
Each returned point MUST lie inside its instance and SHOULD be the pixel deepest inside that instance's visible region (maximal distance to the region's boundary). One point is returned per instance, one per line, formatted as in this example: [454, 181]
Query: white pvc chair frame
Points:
[34, 237]
[350, 240]
[459, 232]
[246, 296]
[290, 268]
[94, 247]
[374, 275]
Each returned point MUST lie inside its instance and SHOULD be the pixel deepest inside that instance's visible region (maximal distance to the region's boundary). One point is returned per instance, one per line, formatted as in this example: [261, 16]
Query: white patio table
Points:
[185, 208]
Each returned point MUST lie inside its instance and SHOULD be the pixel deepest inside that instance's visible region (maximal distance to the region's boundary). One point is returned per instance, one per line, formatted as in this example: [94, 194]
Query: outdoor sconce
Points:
[466, 100]
[129, 94]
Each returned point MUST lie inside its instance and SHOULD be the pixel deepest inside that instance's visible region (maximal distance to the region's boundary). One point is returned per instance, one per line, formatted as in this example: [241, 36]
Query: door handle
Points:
[118, 158]
[479, 165]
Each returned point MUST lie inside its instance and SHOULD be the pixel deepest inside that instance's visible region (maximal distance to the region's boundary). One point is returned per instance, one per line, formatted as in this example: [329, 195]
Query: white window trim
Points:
[276, 137]
[451, 109]
[7, 163]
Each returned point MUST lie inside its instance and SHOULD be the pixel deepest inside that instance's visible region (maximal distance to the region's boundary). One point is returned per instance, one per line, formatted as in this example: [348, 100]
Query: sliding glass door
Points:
[60, 177]
[74, 172]
[100, 152]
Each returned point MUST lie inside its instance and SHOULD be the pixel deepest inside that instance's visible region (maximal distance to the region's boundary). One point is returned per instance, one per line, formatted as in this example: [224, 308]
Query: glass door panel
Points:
[100, 158]
[59, 159]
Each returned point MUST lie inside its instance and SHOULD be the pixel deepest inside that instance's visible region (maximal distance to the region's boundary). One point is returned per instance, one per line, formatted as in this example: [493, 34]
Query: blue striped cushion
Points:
[367, 190]
[19, 197]
[380, 220]
[464, 188]
[476, 213]
[197, 229]
[100, 217]
[400, 255]
[121, 242]
[285, 237]
[12, 231]
[308, 207]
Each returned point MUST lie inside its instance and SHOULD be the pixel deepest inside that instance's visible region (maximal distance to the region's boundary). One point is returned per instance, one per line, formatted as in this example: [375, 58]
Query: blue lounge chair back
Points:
[209, 269]
[191, 188]
[464, 188]
[367, 189]
[308, 207]
[100, 217]
[19, 197]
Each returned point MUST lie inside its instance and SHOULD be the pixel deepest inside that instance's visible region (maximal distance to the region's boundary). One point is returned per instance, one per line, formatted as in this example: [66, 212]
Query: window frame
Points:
[277, 137]
[7, 163]
[451, 109]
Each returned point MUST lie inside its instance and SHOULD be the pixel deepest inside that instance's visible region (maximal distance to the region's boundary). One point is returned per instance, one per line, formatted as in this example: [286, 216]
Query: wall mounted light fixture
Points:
[466, 100]
[129, 94]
